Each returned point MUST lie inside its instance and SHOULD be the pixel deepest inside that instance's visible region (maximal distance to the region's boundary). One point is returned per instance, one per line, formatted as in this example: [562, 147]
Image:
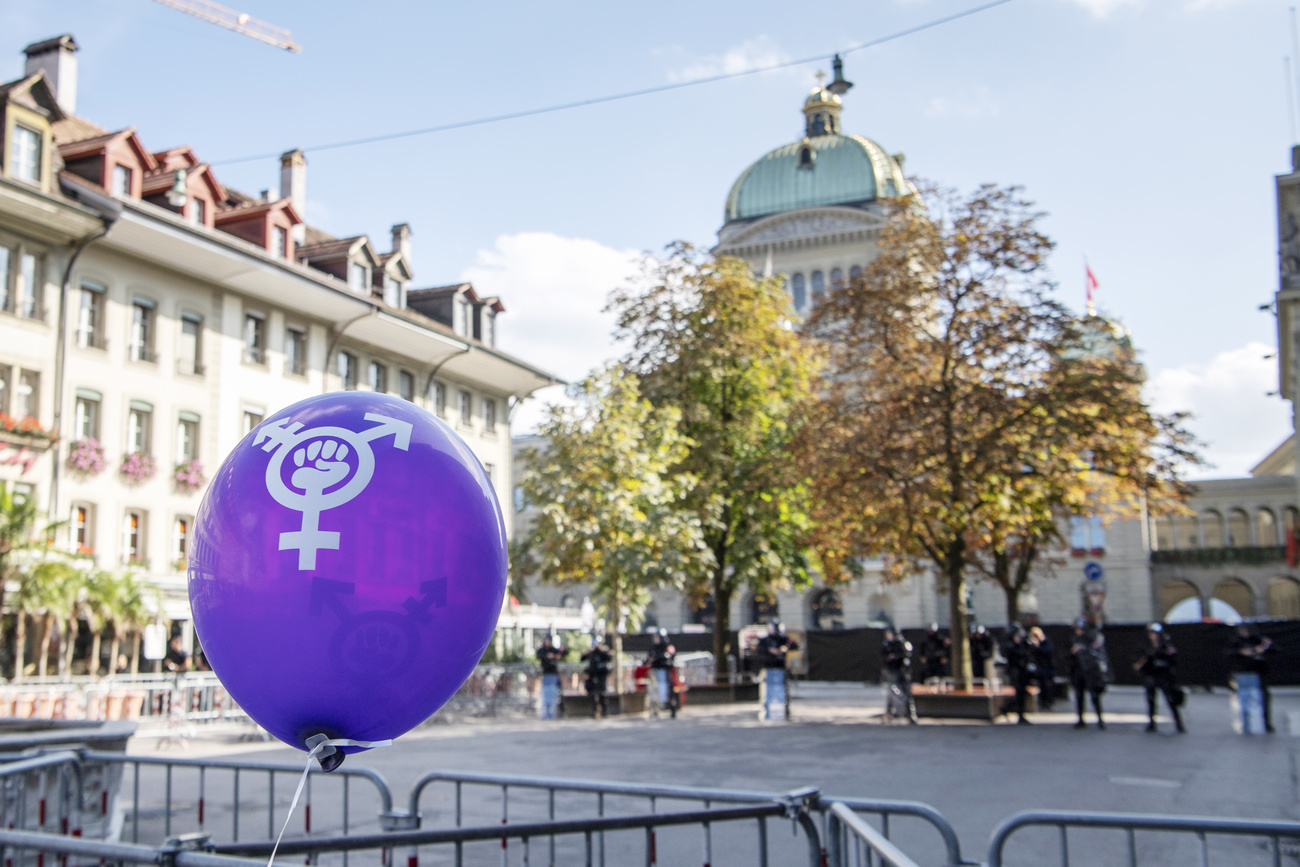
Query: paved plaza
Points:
[975, 774]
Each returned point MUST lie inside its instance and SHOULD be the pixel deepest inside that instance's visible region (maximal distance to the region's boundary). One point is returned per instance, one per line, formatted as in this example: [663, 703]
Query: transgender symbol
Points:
[324, 478]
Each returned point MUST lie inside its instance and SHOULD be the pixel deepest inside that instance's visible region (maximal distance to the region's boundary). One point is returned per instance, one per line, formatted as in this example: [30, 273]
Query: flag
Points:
[1090, 281]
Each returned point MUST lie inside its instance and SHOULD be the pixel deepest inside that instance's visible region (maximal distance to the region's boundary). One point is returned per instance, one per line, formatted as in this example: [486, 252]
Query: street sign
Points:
[1093, 571]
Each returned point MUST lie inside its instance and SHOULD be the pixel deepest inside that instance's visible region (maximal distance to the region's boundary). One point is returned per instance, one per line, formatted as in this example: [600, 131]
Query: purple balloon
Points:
[347, 569]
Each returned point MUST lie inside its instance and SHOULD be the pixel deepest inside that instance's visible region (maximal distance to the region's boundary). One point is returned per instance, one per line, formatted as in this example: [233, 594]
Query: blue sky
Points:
[1149, 130]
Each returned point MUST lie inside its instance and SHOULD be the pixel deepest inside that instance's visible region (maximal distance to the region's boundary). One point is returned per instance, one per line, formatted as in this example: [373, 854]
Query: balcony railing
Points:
[1251, 555]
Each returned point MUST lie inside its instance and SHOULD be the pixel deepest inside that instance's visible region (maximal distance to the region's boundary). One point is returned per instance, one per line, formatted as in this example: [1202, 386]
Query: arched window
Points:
[1174, 592]
[1212, 529]
[798, 291]
[855, 272]
[837, 278]
[1284, 598]
[827, 610]
[1164, 533]
[1266, 528]
[1238, 529]
[1237, 594]
[805, 156]
[763, 608]
[818, 283]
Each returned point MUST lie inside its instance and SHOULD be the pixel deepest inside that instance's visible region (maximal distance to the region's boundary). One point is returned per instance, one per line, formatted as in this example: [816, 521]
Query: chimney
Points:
[293, 185]
[57, 59]
[402, 242]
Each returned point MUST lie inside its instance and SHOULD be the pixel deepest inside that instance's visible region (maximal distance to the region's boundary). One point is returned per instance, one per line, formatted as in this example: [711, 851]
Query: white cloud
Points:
[554, 290]
[1232, 414]
[753, 53]
[973, 101]
[1103, 8]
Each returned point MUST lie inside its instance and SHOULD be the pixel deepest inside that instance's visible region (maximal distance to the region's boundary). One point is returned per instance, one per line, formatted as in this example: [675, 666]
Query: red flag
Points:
[1090, 282]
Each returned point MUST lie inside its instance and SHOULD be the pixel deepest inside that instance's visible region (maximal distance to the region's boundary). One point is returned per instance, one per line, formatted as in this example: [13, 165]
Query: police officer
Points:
[1248, 654]
[772, 651]
[896, 657]
[981, 651]
[660, 659]
[549, 656]
[1020, 668]
[597, 666]
[1089, 669]
[1156, 666]
[934, 653]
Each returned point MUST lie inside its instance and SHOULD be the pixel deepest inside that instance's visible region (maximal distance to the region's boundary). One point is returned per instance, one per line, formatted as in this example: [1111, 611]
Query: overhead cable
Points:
[565, 106]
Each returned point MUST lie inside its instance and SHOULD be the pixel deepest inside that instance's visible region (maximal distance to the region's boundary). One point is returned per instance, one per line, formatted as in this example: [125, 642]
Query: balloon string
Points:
[302, 781]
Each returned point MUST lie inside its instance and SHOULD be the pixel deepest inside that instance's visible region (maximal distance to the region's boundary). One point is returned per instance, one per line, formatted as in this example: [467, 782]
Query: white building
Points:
[152, 310]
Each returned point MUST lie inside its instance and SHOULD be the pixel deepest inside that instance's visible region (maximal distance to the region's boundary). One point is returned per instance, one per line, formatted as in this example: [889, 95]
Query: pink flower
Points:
[136, 468]
[189, 476]
[85, 457]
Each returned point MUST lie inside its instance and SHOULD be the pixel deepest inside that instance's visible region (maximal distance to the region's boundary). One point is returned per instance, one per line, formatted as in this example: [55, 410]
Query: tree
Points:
[964, 410]
[716, 342]
[609, 514]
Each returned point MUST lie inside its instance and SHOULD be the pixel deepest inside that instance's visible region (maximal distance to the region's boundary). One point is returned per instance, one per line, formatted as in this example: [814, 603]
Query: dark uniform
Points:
[935, 649]
[1089, 669]
[1021, 668]
[1157, 668]
[896, 656]
[597, 667]
[981, 651]
[1249, 653]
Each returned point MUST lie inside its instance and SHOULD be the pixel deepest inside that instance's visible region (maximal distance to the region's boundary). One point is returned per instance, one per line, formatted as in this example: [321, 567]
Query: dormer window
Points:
[358, 279]
[392, 292]
[121, 181]
[278, 240]
[805, 157]
[198, 212]
[460, 320]
[25, 155]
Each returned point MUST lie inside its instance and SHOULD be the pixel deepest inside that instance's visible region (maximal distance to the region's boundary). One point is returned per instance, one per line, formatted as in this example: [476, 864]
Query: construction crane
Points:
[240, 22]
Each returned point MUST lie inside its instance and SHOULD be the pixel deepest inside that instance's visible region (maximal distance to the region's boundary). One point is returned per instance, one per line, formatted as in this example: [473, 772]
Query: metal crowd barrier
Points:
[809, 799]
[237, 787]
[851, 842]
[1201, 827]
[192, 698]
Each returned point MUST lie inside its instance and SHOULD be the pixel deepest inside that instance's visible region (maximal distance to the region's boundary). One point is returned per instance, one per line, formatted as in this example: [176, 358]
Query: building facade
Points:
[152, 317]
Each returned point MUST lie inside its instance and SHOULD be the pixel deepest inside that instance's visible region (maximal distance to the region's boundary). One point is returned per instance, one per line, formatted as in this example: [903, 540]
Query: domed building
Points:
[812, 210]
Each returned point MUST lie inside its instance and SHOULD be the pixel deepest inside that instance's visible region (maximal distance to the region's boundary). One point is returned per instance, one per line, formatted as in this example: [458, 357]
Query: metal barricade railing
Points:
[188, 851]
[585, 834]
[240, 788]
[851, 842]
[1200, 827]
[653, 794]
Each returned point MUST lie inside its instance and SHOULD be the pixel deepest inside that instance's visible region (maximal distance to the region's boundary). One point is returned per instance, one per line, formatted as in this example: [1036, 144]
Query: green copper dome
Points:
[821, 170]
[825, 168]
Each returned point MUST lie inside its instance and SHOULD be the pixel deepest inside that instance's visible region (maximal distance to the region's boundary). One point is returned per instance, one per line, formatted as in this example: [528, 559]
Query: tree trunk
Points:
[47, 630]
[114, 648]
[92, 667]
[135, 652]
[721, 632]
[1013, 603]
[73, 633]
[959, 630]
[20, 643]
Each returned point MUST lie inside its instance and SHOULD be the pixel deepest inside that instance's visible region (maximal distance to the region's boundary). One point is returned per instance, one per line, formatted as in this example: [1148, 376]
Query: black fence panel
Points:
[685, 642]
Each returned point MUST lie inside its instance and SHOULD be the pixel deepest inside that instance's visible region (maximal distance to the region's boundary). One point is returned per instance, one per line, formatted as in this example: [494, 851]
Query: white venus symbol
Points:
[320, 454]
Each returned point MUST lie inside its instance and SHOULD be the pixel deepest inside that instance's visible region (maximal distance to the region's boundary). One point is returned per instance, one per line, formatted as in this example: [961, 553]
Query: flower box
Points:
[137, 468]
